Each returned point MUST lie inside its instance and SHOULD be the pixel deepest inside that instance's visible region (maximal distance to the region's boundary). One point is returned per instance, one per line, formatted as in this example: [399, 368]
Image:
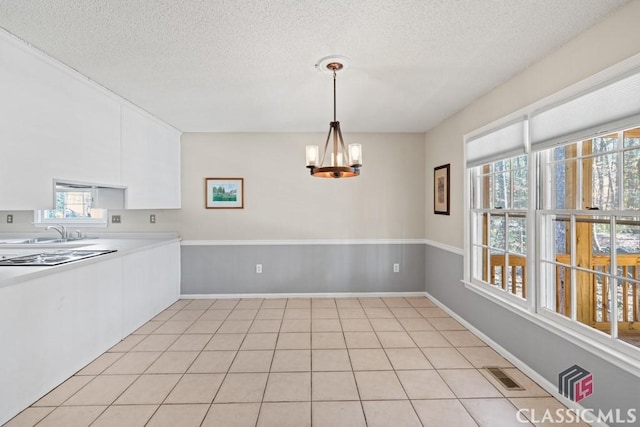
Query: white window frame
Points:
[534, 306]
[41, 222]
[547, 209]
[474, 218]
[615, 351]
[64, 185]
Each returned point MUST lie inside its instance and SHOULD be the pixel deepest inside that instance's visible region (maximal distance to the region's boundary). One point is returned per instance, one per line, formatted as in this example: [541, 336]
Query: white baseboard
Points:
[303, 242]
[305, 295]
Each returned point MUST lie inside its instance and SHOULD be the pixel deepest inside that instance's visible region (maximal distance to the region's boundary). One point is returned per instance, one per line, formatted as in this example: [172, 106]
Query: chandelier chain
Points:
[334, 95]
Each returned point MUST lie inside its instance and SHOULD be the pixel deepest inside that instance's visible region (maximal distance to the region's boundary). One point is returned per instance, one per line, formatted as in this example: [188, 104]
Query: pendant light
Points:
[340, 162]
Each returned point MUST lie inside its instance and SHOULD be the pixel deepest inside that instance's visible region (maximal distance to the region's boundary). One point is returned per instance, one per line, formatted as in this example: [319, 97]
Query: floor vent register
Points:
[504, 378]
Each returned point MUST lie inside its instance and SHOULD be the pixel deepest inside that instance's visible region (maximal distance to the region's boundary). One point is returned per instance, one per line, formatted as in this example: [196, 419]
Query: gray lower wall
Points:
[231, 269]
[545, 352]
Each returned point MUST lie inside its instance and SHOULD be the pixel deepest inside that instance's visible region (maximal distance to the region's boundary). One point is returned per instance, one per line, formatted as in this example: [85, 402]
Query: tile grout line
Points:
[201, 351]
[270, 366]
[396, 373]
[181, 376]
[353, 374]
[458, 399]
[310, 307]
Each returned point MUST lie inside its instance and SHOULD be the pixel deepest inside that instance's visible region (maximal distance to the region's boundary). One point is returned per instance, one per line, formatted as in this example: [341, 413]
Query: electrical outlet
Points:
[115, 219]
[152, 218]
[396, 268]
[9, 219]
[259, 268]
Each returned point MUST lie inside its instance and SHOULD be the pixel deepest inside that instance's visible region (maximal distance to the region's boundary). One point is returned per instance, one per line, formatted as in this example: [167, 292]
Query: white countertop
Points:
[123, 243]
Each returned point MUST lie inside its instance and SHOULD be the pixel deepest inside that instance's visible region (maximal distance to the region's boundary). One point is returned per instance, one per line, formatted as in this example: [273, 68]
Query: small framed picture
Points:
[224, 193]
[441, 195]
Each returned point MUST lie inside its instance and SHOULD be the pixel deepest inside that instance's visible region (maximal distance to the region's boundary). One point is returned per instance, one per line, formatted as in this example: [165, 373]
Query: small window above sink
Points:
[80, 204]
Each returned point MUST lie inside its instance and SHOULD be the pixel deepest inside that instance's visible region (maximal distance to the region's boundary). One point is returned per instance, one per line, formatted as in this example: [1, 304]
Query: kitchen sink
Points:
[32, 241]
[46, 240]
[52, 258]
[13, 241]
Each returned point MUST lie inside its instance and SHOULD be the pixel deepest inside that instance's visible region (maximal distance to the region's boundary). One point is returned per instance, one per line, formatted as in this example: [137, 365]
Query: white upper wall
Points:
[600, 47]
[282, 201]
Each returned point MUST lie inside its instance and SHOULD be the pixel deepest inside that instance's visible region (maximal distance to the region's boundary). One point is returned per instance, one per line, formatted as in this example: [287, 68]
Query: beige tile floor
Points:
[292, 362]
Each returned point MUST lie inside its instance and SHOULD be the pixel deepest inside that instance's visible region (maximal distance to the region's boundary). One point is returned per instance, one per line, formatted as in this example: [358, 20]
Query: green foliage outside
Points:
[509, 190]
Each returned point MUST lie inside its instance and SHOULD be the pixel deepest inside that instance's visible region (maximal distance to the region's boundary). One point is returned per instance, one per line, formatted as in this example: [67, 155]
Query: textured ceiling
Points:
[247, 66]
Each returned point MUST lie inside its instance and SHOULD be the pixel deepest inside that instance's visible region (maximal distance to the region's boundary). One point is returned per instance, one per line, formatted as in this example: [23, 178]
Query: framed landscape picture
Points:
[224, 193]
[441, 196]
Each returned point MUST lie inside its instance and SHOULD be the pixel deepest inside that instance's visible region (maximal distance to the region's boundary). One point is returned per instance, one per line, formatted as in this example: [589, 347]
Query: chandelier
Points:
[340, 162]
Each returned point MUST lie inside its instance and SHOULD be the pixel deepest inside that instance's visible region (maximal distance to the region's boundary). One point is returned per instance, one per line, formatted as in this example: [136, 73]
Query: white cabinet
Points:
[54, 125]
[150, 162]
[53, 326]
[58, 124]
[150, 283]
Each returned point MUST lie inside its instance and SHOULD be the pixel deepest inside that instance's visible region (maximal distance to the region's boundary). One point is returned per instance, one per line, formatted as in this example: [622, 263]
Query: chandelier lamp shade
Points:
[335, 160]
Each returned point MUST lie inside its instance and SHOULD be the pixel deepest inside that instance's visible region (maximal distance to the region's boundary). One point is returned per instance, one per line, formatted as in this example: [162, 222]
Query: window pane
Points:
[561, 232]
[501, 186]
[604, 182]
[73, 207]
[516, 275]
[601, 235]
[601, 173]
[518, 235]
[501, 190]
[562, 290]
[627, 236]
[600, 313]
[481, 189]
[627, 291]
[632, 138]
[501, 165]
[72, 204]
[628, 311]
[564, 152]
[497, 269]
[605, 144]
[497, 233]
[520, 188]
[563, 191]
[558, 275]
[631, 179]
[628, 277]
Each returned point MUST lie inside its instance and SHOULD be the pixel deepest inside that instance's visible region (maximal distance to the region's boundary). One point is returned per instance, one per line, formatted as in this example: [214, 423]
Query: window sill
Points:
[71, 224]
[39, 221]
[508, 301]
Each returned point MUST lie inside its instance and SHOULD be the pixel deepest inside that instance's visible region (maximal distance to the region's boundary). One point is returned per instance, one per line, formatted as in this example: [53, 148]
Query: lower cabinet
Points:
[150, 283]
[52, 326]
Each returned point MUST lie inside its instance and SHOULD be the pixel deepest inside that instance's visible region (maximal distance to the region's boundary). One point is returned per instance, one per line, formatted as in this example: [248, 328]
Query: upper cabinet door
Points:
[55, 124]
[150, 162]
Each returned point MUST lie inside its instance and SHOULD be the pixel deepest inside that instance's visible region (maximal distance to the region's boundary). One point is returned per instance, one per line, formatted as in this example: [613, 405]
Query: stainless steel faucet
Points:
[60, 229]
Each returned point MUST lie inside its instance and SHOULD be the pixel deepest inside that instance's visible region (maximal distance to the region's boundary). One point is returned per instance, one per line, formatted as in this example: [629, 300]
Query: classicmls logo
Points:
[576, 383]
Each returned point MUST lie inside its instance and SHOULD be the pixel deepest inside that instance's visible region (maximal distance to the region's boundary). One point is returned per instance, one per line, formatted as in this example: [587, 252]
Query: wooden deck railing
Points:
[512, 278]
[628, 290]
